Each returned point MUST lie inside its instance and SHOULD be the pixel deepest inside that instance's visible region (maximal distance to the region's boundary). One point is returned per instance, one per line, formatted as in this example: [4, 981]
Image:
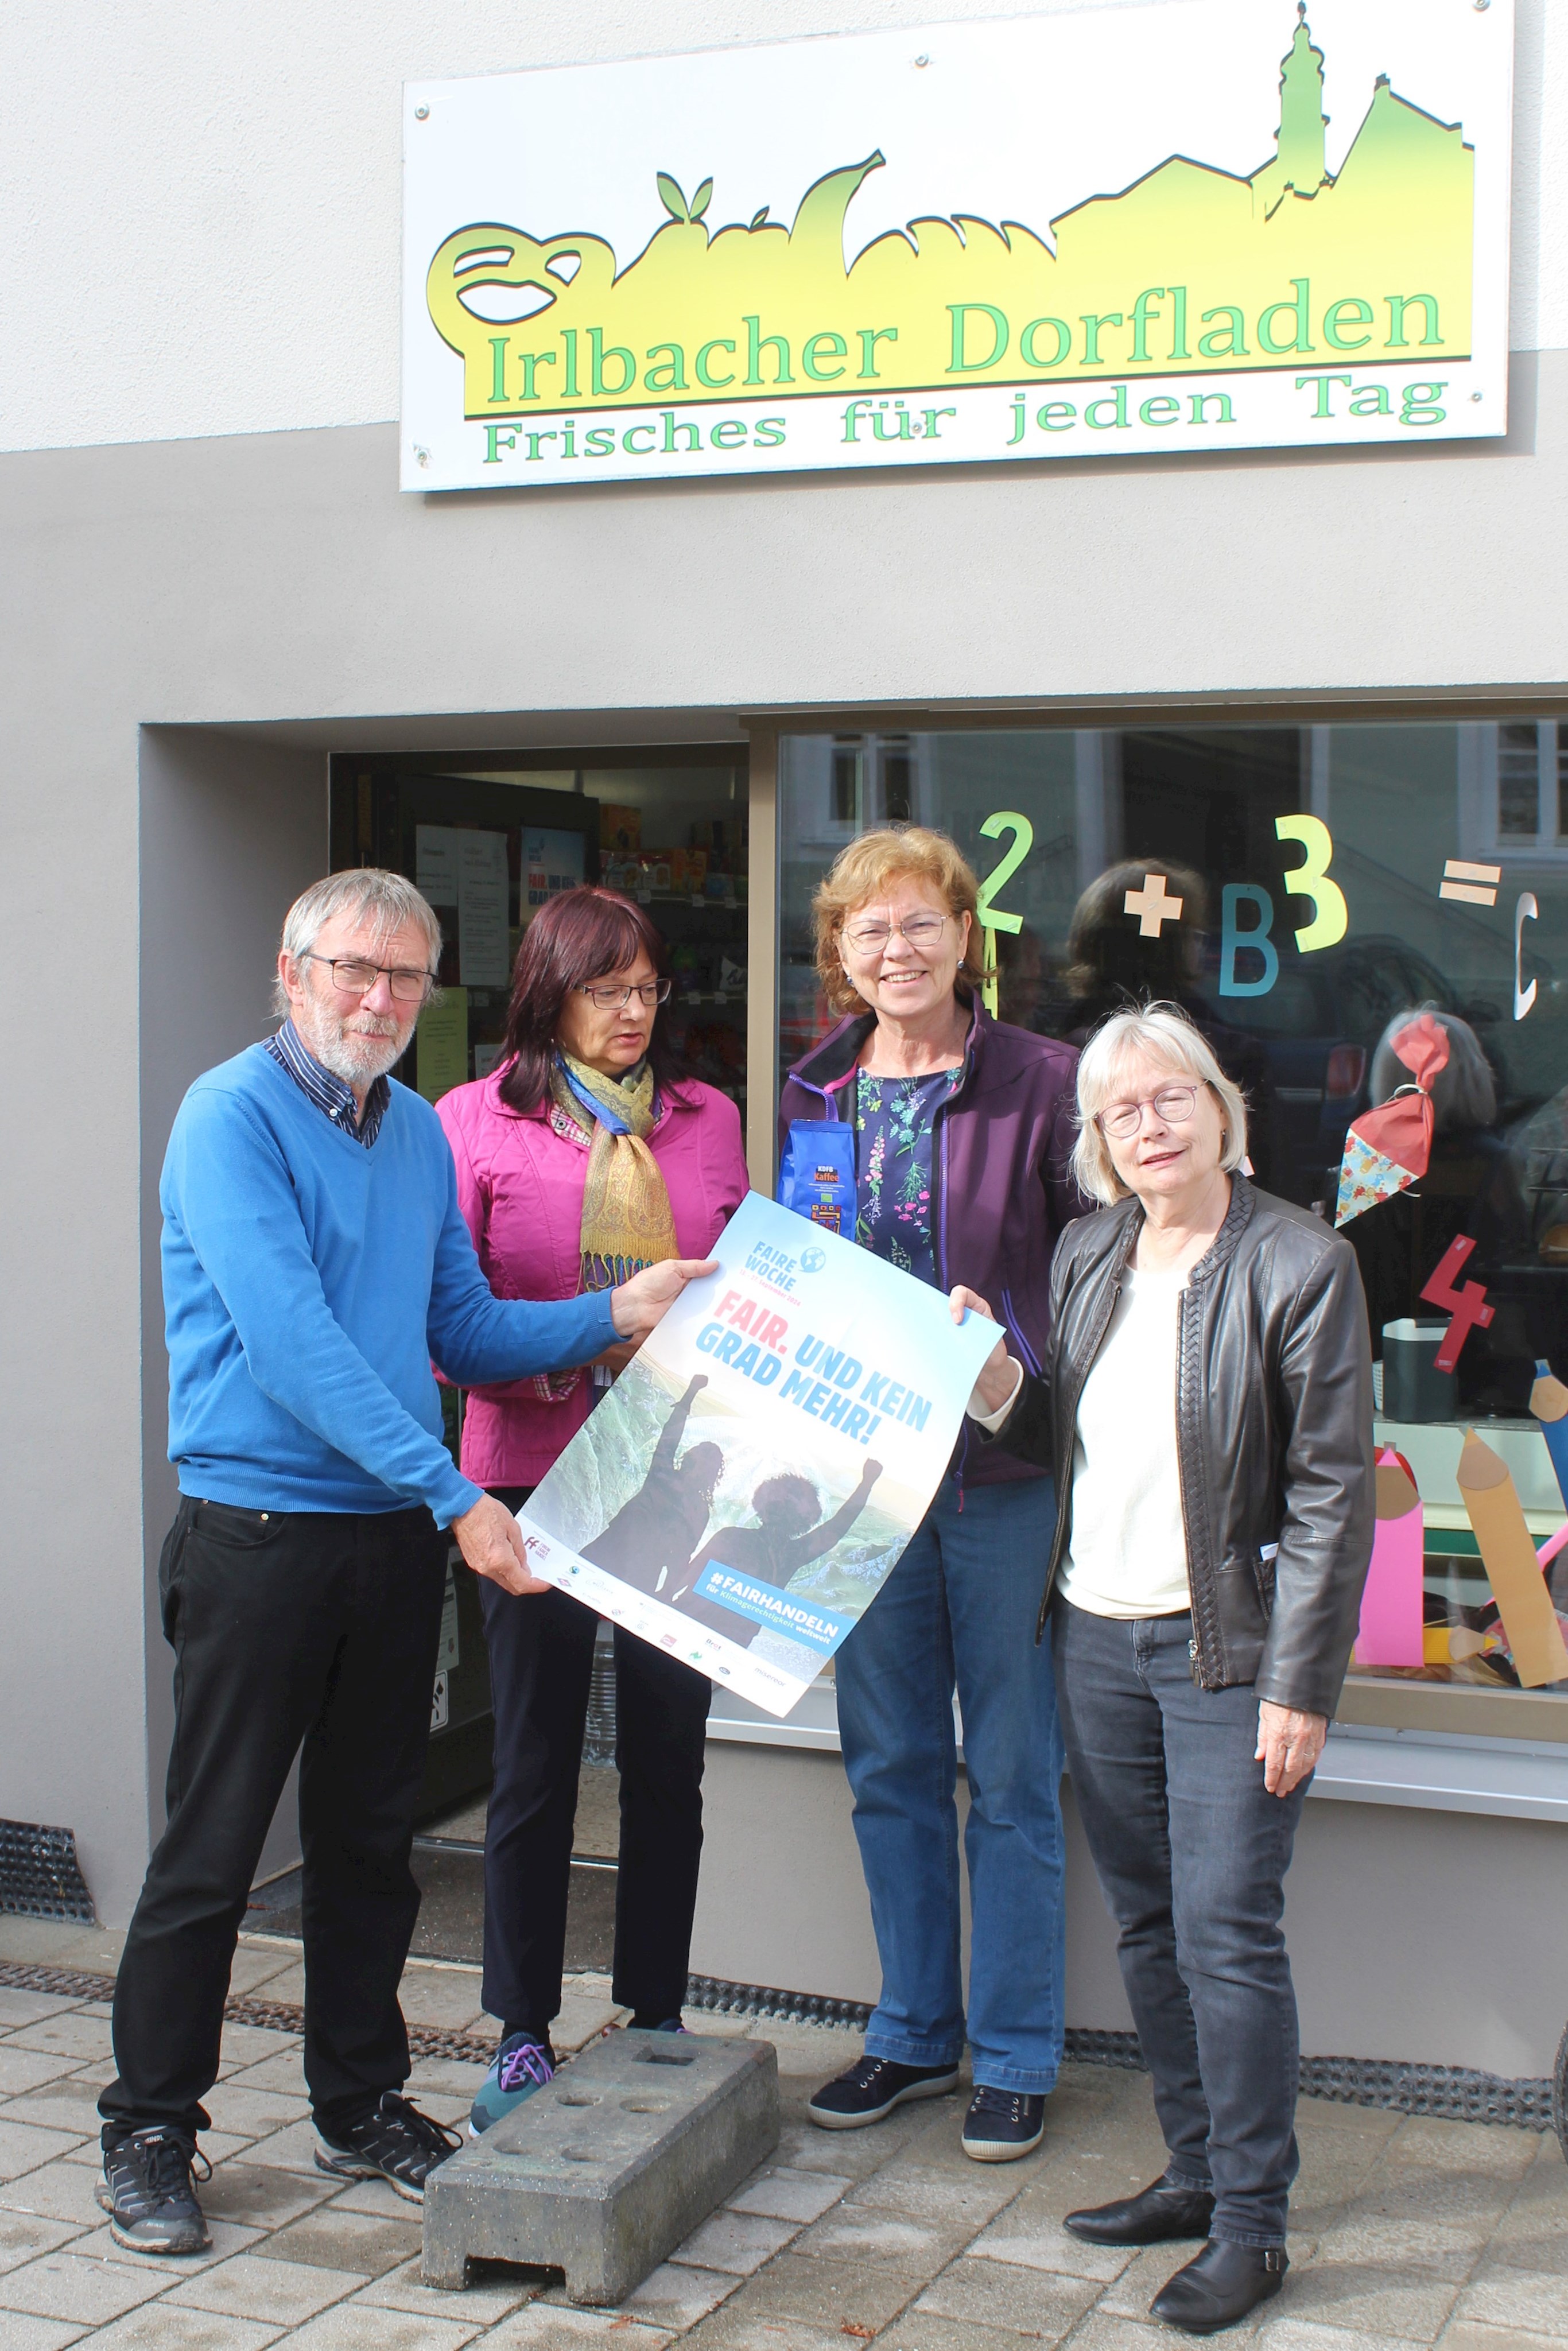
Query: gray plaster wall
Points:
[276, 592]
[1429, 1937]
[240, 168]
[230, 834]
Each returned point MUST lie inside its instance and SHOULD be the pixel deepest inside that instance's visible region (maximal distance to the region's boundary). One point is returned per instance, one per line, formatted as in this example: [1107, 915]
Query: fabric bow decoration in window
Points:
[1390, 1147]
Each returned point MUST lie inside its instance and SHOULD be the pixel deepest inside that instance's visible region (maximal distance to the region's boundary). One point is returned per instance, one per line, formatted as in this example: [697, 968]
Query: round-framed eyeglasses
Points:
[1173, 1106]
[611, 998]
[404, 985]
[923, 931]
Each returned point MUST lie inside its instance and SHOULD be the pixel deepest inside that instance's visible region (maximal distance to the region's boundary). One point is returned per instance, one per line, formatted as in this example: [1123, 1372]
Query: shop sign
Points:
[1188, 225]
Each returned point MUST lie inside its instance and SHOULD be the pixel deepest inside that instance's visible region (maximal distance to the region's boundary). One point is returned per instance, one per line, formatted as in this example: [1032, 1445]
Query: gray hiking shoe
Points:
[147, 2192]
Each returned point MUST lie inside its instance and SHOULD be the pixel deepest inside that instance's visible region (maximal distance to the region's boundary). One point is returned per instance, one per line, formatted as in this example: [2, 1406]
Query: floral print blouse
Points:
[894, 1120]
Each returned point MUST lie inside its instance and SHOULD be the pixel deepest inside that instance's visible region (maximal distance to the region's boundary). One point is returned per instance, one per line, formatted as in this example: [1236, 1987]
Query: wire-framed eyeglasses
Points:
[1173, 1106]
[922, 930]
[611, 998]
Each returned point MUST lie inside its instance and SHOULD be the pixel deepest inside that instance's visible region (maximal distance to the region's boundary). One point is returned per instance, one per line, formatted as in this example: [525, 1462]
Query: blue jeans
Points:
[1191, 1851]
[959, 1610]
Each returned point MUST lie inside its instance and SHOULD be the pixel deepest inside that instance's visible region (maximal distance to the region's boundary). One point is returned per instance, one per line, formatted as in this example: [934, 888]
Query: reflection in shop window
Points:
[1525, 766]
[1200, 831]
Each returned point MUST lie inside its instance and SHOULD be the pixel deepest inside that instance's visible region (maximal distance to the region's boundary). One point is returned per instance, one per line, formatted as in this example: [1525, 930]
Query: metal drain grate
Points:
[723, 1999]
[39, 1873]
[1449, 2092]
[1452, 2093]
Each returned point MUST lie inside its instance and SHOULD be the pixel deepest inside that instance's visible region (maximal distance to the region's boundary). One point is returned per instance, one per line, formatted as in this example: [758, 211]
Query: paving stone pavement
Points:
[1407, 2232]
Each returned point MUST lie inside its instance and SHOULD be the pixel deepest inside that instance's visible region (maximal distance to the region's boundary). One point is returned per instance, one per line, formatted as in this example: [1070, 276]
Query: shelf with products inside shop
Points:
[709, 871]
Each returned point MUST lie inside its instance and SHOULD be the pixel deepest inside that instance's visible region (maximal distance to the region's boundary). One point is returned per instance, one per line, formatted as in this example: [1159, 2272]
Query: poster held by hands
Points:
[746, 1488]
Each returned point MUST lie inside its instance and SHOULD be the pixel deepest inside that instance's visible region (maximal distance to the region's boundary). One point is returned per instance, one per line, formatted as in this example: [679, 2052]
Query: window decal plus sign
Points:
[1151, 903]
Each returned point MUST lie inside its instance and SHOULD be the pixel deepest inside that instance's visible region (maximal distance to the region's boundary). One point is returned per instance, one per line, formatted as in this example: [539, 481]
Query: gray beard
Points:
[357, 1061]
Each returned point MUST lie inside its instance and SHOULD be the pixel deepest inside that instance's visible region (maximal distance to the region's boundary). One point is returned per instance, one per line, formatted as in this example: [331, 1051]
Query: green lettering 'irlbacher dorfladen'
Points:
[1190, 270]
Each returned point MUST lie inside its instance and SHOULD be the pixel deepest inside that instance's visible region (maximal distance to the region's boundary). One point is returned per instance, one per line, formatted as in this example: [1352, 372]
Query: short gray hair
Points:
[1159, 1032]
[391, 898]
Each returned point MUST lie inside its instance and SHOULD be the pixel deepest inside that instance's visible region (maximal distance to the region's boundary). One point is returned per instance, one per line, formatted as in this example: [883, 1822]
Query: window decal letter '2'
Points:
[992, 918]
[1330, 916]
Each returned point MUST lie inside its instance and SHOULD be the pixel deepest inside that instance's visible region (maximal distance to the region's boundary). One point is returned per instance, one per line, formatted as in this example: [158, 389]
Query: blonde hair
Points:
[894, 853]
[1163, 1033]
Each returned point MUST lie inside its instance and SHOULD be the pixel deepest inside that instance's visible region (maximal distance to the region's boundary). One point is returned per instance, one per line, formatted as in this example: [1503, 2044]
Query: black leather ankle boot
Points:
[1154, 2216]
[1220, 2285]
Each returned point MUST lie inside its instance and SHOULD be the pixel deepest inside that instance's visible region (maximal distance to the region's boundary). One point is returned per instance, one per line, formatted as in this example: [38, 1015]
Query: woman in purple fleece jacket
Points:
[963, 1129]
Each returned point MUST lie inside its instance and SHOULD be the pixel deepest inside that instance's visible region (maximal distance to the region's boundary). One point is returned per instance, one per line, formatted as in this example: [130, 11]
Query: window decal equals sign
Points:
[1476, 884]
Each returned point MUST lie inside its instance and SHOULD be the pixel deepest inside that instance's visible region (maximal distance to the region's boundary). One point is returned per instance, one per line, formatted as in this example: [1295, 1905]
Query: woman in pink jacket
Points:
[583, 1156]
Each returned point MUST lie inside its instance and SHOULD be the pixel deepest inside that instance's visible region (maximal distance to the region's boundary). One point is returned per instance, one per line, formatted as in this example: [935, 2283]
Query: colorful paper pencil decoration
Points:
[1508, 1554]
[1391, 1604]
[1549, 1403]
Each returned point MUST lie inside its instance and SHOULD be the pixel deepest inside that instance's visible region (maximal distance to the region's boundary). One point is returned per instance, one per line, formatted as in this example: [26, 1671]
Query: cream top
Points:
[1128, 1551]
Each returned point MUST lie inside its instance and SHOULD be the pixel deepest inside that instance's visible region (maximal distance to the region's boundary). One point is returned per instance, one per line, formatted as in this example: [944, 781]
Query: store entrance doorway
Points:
[490, 839]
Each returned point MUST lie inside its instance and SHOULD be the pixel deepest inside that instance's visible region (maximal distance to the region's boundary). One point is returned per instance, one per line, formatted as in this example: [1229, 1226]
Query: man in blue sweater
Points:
[314, 1262]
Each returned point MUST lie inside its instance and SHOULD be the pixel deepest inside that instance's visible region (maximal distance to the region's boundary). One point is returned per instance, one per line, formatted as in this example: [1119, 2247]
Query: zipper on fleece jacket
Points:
[939, 1242]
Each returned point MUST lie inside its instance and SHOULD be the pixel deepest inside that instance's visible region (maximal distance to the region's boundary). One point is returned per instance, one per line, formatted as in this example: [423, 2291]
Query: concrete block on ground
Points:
[606, 2170]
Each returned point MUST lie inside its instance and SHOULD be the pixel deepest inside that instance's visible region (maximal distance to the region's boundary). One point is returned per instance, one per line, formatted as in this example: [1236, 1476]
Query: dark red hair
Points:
[580, 936]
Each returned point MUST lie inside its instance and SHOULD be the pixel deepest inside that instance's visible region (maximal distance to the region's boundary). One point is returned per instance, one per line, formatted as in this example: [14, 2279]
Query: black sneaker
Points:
[394, 2142]
[872, 2087]
[147, 2193]
[1002, 2124]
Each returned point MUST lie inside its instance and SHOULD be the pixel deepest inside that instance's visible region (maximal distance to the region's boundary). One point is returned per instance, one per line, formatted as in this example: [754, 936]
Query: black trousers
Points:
[290, 1630]
[541, 1663]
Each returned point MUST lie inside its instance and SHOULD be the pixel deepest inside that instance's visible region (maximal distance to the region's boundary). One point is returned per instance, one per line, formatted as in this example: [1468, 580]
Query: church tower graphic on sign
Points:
[1191, 268]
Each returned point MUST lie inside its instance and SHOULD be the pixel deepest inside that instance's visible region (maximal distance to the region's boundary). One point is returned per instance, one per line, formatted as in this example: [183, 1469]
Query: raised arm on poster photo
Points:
[817, 1395]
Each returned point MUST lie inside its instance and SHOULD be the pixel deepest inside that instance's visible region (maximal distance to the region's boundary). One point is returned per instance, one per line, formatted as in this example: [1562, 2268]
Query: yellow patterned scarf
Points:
[627, 1218]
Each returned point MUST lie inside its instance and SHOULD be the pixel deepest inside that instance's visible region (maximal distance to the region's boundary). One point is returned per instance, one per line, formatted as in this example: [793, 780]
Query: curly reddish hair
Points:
[583, 936]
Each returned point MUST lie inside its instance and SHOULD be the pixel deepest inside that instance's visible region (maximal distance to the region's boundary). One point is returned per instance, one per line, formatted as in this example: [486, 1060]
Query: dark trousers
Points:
[1191, 1852]
[289, 1629]
[541, 1663]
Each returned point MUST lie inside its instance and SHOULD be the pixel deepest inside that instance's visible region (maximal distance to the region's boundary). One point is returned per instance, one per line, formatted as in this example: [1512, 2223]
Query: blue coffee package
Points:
[816, 1174]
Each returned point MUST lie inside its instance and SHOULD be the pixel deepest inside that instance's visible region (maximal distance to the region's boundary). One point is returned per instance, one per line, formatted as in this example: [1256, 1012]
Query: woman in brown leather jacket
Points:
[1207, 1407]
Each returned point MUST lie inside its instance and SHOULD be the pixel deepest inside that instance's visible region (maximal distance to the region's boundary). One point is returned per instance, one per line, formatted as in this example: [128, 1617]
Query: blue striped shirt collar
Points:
[329, 1093]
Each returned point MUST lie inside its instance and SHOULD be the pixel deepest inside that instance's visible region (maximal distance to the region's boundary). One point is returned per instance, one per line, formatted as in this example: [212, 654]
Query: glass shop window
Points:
[490, 839]
[1332, 905]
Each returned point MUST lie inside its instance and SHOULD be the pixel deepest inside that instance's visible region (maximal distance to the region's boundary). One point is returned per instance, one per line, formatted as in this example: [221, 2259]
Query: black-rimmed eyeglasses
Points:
[356, 978]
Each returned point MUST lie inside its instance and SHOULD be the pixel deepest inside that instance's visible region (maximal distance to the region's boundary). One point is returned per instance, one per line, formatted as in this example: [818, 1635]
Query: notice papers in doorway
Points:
[745, 1489]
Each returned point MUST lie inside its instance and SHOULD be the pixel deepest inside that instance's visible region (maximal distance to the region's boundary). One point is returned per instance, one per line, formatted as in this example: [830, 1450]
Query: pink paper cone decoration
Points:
[1390, 1147]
